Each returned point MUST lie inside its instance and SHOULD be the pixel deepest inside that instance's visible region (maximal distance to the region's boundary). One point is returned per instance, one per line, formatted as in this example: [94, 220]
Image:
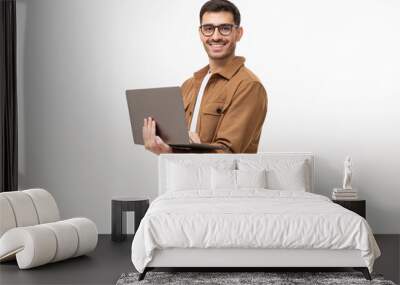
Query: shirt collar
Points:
[228, 71]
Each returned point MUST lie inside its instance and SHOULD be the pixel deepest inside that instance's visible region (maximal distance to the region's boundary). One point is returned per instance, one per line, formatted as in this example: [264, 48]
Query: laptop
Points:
[165, 106]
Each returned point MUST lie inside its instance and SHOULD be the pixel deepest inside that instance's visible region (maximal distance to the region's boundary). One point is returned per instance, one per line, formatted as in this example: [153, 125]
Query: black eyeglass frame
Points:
[219, 29]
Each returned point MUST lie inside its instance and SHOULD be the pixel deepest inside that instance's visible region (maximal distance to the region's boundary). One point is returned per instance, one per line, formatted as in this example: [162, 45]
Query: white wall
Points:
[331, 69]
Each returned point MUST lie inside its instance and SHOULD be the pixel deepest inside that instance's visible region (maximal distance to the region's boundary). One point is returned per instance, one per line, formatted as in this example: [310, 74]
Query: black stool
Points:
[119, 207]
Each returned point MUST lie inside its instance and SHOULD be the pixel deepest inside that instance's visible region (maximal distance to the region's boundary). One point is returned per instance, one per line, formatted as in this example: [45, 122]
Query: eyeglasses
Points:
[224, 29]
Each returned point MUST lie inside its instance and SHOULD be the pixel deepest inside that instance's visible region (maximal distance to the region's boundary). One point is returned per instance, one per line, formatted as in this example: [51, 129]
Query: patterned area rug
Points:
[269, 278]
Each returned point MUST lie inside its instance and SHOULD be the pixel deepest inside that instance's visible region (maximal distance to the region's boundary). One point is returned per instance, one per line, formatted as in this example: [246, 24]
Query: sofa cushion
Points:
[23, 208]
[27, 208]
[7, 215]
[45, 205]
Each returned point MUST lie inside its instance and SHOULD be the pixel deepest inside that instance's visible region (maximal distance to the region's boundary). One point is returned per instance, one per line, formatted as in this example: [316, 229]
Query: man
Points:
[225, 103]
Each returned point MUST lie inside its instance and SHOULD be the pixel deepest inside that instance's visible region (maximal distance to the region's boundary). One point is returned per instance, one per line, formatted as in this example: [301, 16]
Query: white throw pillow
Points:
[223, 179]
[251, 178]
[226, 179]
[193, 175]
[188, 178]
[282, 174]
[292, 178]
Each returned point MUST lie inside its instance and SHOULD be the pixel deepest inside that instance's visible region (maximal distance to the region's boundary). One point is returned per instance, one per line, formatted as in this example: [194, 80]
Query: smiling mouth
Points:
[216, 46]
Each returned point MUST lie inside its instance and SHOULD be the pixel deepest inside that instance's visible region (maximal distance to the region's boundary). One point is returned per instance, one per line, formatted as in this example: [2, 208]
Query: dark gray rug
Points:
[269, 278]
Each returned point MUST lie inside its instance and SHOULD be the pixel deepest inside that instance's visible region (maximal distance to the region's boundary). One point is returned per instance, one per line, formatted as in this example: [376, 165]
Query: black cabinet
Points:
[119, 207]
[357, 206]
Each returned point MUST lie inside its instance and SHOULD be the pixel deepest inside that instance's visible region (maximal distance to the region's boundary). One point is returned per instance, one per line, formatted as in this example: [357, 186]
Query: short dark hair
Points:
[218, 6]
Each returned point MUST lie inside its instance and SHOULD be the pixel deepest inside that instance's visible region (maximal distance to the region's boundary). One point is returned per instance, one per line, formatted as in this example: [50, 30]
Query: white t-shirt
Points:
[193, 124]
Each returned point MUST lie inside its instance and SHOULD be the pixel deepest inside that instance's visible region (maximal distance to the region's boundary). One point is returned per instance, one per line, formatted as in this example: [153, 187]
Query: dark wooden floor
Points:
[102, 266]
[110, 260]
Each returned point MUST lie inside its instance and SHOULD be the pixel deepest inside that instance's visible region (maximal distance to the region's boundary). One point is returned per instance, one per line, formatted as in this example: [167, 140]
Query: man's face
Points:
[220, 46]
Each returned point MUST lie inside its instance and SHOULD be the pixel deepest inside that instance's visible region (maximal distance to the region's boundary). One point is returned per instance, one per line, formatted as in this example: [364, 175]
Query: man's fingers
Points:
[158, 145]
[163, 146]
[153, 128]
[146, 129]
[160, 141]
[145, 134]
[152, 142]
[148, 123]
[148, 141]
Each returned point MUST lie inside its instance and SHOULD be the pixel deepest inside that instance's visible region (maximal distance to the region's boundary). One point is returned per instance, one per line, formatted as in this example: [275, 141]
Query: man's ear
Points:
[239, 33]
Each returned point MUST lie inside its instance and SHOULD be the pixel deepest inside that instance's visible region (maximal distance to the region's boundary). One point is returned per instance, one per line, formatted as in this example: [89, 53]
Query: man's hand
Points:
[152, 142]
[194, 137]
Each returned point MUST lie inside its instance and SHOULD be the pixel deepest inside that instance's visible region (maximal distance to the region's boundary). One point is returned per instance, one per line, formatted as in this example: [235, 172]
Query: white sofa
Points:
[31, 231]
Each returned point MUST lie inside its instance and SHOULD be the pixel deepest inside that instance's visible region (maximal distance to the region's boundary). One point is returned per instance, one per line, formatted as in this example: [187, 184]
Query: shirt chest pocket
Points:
[211, 114]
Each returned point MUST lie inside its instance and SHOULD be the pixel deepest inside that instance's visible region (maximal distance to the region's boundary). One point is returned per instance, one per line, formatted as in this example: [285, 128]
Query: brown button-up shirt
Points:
[233, 108]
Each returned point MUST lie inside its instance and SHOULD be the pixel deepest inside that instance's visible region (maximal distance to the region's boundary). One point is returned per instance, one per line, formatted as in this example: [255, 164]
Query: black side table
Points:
[119, 207]
[357, 206]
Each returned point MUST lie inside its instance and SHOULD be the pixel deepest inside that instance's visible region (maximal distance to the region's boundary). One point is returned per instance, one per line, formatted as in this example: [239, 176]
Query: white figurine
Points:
[347, 174]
